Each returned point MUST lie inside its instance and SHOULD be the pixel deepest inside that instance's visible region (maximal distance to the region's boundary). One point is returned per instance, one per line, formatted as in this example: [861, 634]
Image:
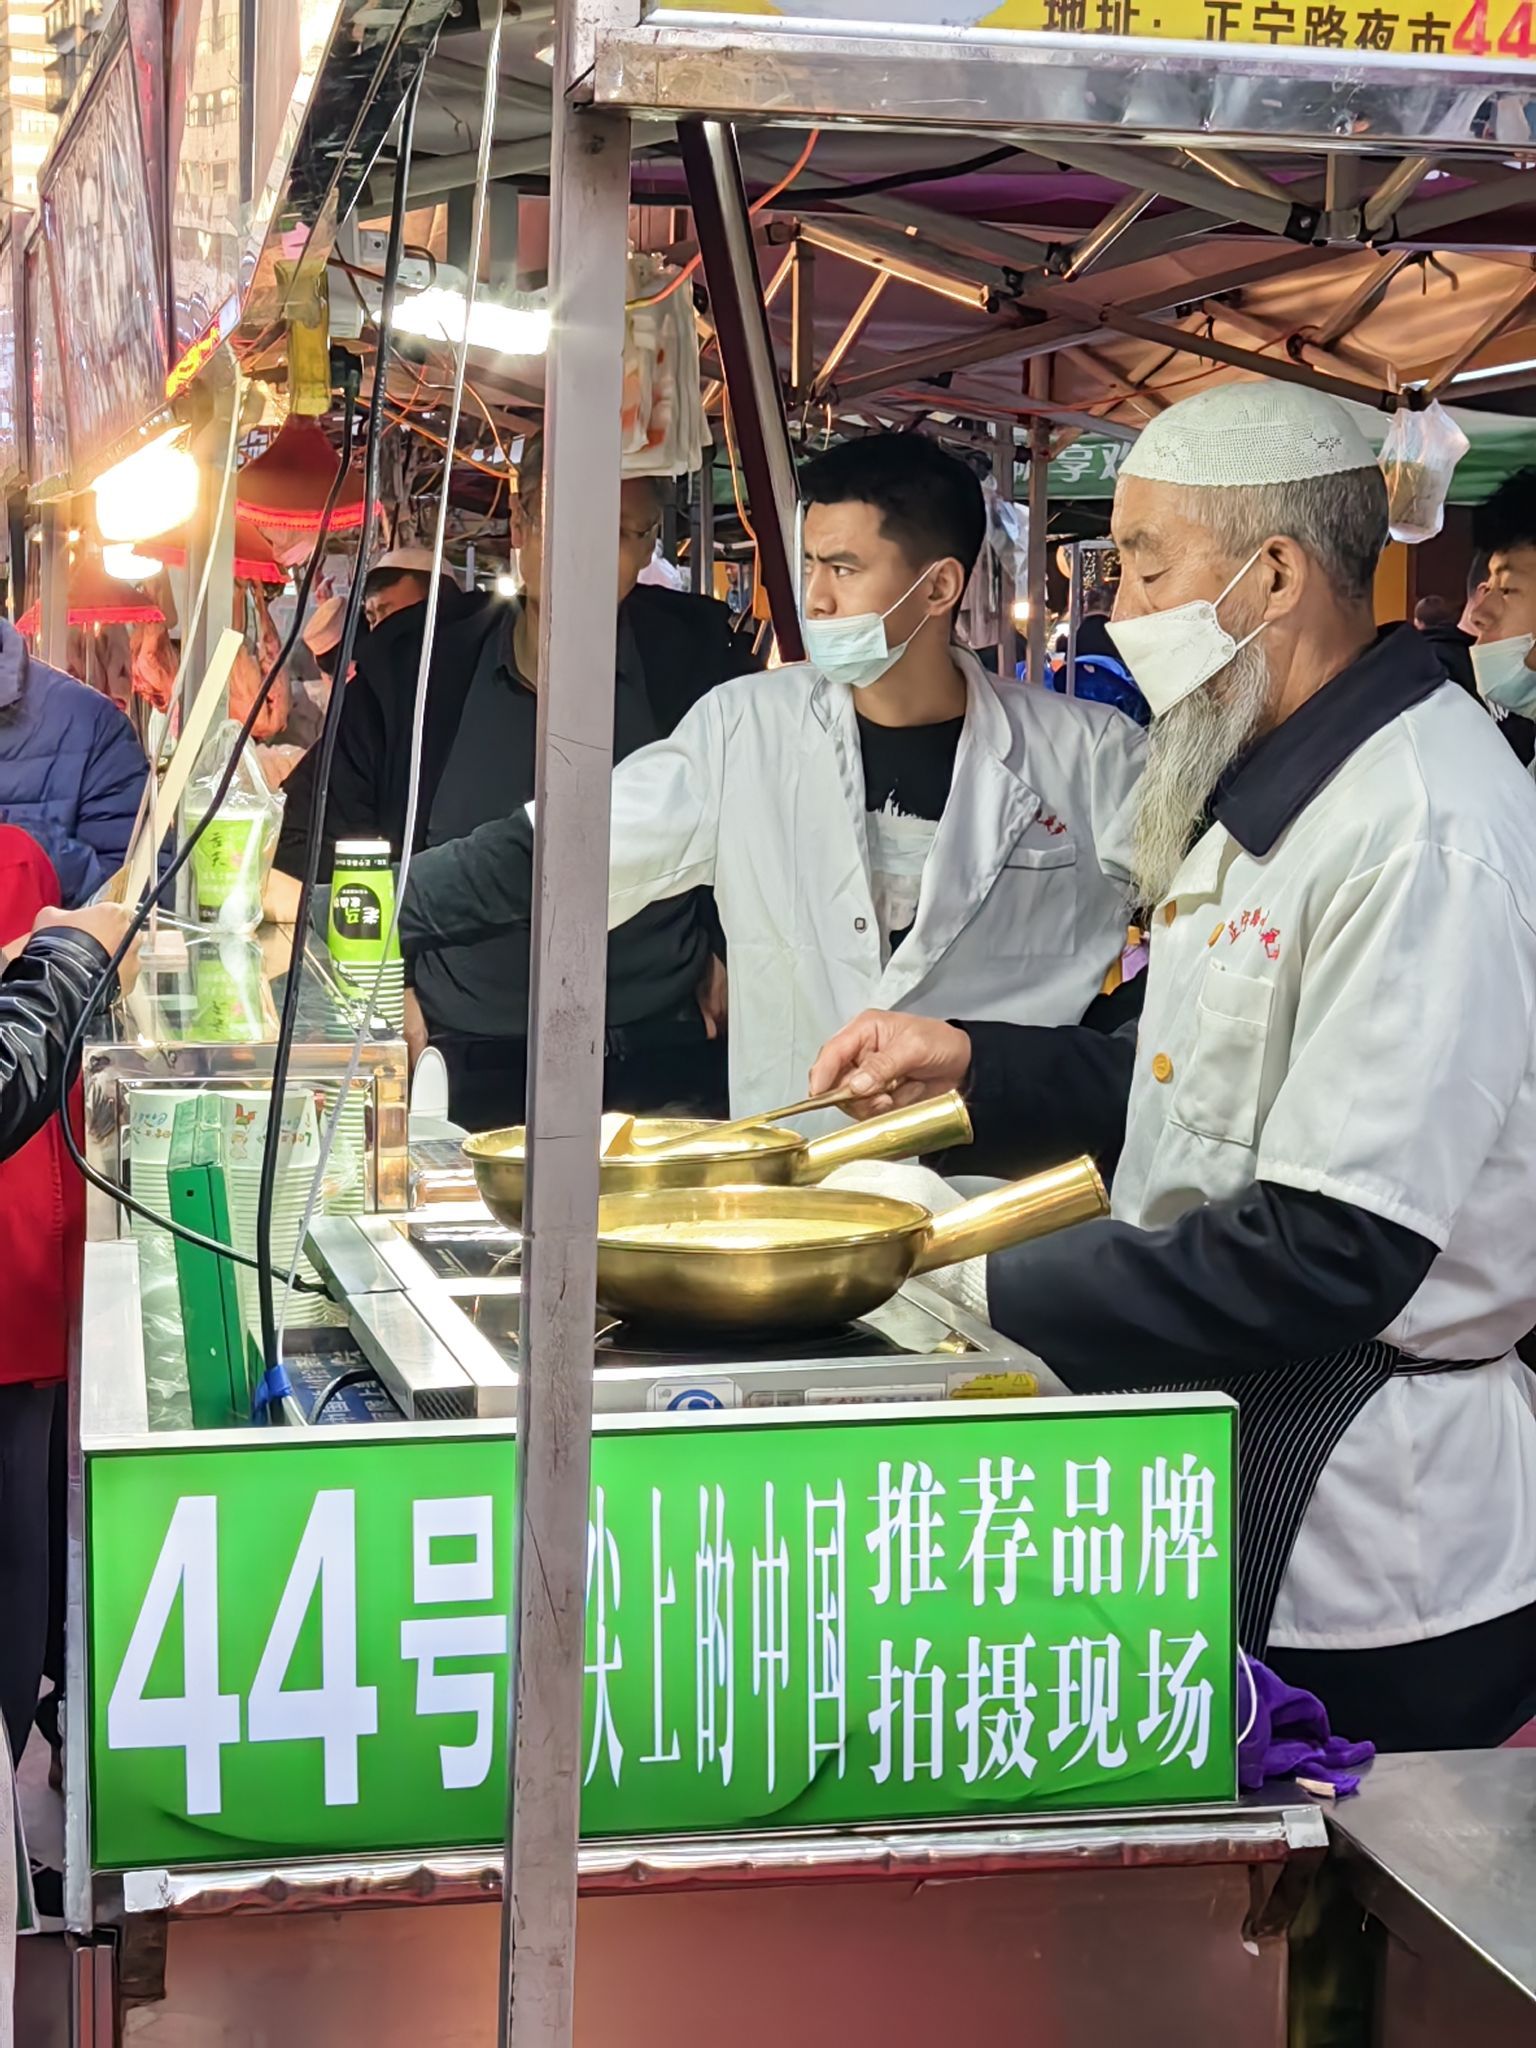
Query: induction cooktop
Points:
[435, 1302]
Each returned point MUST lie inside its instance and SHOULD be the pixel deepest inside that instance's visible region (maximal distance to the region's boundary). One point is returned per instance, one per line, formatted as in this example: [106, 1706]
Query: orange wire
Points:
[730, 456]
[682, 277]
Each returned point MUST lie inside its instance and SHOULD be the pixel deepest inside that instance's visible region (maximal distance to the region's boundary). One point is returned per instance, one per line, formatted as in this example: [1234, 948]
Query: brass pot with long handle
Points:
[788, 1258]
[765, 1155]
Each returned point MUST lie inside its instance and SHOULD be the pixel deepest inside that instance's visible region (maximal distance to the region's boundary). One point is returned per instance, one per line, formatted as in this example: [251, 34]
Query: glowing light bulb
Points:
[121, 563]
[148, 492]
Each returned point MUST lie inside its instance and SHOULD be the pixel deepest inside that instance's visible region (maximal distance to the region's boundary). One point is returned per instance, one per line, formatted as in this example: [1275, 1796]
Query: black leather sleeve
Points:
[469, 889]
[42, 998]
[1040, 1094]
[1274, 1274]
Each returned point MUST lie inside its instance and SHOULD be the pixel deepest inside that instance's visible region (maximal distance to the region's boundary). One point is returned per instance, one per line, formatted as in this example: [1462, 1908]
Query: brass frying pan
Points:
[788, 1258]
[767, 1154]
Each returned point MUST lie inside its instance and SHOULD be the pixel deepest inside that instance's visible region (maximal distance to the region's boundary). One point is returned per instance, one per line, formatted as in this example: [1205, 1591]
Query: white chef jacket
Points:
[759, 795]
[1355, 1014]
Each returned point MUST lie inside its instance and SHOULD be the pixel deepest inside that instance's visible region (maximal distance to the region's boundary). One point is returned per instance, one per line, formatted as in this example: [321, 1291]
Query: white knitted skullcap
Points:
[1253, 432]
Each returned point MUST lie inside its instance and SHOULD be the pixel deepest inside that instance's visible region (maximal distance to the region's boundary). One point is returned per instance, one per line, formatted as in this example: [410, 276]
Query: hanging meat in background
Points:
[153, 664]
[99, 657]
[244, 685]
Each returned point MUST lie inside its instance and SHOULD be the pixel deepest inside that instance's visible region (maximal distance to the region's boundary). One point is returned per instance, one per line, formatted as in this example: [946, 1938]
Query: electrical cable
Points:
[429, 633]
[288, 1023]
[142, 914]
[1253, 1689]
[766, 199]
[352, 1377]
[868, 188]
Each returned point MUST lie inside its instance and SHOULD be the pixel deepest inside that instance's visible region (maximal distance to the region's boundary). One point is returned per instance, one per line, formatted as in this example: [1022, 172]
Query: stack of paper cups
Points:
[246, 1119]
[151, 1120]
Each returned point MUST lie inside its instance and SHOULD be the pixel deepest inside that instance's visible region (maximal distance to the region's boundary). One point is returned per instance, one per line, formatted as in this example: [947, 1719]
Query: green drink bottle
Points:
[364, 949]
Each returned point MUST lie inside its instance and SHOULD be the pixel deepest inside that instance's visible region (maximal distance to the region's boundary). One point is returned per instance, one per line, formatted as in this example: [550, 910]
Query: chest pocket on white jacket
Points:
[1039, 885]
[1217, 1095]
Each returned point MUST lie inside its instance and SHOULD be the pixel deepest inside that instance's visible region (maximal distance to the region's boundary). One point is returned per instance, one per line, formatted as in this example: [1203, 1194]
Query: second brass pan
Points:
[776, 1258]
[767, 1155]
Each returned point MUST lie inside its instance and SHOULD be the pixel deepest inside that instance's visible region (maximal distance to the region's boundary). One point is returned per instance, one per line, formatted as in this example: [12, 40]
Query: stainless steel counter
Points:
[1441, 1851]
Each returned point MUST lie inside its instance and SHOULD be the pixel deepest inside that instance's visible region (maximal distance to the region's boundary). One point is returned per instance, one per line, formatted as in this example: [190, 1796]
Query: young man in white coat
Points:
[881, 824]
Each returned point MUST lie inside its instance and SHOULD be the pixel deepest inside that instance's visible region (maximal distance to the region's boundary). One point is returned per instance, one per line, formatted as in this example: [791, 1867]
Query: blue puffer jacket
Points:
[72, 771]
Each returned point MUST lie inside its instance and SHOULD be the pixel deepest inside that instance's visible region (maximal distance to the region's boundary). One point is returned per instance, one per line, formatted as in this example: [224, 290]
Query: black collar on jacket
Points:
[1267, 788]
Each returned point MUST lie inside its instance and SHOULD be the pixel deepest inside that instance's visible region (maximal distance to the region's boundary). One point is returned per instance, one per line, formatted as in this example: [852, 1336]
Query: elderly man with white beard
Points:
[1323, 1136]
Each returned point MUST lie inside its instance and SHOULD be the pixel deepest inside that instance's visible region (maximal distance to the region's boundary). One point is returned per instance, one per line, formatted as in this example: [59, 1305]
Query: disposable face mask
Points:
[1172, 653]
[1502, 676]
[854, 650]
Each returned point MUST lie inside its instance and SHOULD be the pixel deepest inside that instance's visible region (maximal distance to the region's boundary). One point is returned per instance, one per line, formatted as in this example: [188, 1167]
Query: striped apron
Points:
[1290, 1419]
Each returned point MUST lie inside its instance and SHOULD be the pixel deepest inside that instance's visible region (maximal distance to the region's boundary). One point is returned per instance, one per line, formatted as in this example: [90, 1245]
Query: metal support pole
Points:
[802, 322]
[1074, 613]
[461, 213]
[589, 189]
[1100, 239]
[16, 554]
[851, 332]
[1039, 373]
[53, 632]
[218, 610]
[746, 356]
[1397, 186]
[1212, 351]
[504, 204]
[703, 562]
[1003, 459]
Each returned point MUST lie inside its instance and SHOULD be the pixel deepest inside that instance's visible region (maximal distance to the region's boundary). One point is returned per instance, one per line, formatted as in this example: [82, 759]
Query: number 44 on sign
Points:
[202, 1721]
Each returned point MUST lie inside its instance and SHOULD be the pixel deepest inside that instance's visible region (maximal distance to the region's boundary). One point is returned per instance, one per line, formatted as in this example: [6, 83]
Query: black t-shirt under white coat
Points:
[908, 770]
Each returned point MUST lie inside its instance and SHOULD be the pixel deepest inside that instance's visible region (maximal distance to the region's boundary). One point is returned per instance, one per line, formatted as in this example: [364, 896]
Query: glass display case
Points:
[210, 1019]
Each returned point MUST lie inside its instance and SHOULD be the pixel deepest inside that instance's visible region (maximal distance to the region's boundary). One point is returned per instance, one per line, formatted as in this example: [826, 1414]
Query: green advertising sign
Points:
[301, 1648]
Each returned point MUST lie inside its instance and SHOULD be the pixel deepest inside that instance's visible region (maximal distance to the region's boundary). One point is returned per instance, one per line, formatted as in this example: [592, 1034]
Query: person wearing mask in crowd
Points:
[1323, 1139]
[72, 771]
[1501, 609]
[880, 822]
[397, 582]
[370, 771]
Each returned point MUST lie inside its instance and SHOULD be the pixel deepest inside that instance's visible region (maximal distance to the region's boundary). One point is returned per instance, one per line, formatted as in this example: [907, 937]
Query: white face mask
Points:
[854, 650]
[1172, 653]
[1502, 676]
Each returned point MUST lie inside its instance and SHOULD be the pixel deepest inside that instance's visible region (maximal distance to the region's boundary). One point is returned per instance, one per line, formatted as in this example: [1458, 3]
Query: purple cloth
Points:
[1290, 1736]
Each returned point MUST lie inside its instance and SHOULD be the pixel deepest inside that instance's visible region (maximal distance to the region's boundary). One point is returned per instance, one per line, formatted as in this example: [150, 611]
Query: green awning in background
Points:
[1500, 444]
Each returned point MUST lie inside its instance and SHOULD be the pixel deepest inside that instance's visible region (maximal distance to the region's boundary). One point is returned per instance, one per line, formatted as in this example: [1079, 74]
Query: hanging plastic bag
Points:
[1418, 460]
[232, 859]
[665, 431]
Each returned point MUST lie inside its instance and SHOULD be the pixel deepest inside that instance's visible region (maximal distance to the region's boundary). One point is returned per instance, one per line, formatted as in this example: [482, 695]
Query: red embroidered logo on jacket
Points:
[1251, 920]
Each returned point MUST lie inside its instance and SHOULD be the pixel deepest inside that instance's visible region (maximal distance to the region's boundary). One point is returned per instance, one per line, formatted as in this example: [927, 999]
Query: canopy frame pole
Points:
[753, 393]
[53, 586]
[577, 648]
[852, 329]
[1004, 470]
[1373, 287]
[1039, 386]
[1485, 332]
[1099, 240]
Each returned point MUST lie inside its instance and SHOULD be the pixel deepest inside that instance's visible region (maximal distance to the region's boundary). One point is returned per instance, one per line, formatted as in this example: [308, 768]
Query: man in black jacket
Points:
[664, 1044]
